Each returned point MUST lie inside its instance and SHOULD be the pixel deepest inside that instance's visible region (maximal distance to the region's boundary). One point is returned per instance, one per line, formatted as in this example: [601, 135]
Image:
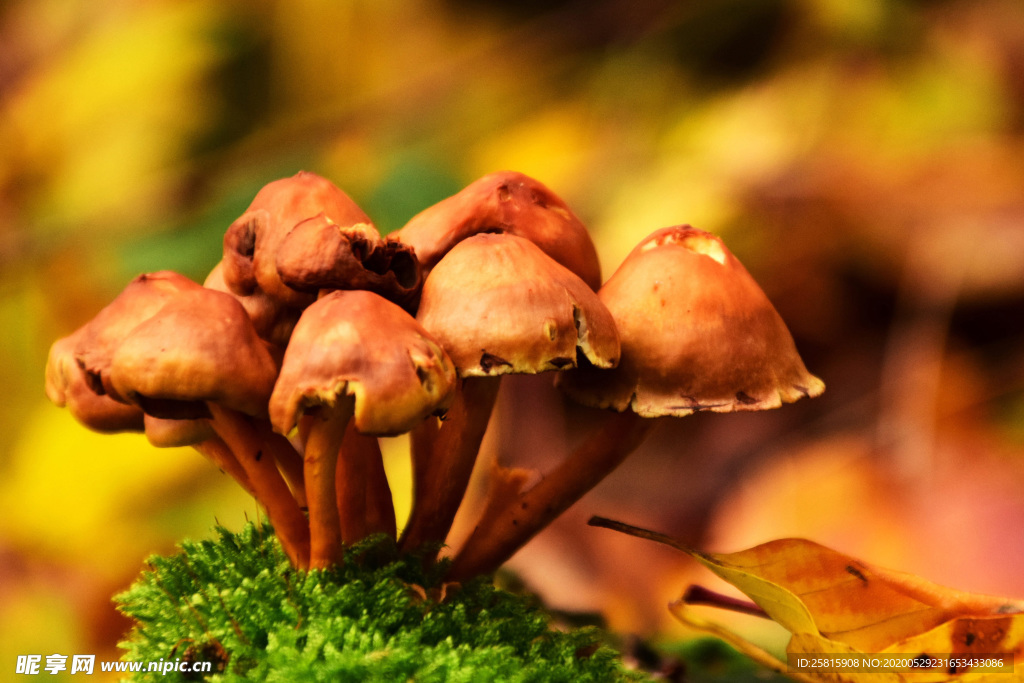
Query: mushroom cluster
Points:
[315, 335]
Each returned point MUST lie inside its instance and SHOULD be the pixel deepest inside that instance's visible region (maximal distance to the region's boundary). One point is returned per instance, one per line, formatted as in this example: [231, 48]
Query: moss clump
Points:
[238, 603]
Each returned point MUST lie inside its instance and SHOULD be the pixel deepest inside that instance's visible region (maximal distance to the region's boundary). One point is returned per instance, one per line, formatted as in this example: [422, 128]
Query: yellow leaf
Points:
[851, 601]
[836, 604]
[808, 588]
[966, 638]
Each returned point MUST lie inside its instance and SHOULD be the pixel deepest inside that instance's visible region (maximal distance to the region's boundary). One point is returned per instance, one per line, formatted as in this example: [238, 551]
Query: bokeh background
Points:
[864, 159]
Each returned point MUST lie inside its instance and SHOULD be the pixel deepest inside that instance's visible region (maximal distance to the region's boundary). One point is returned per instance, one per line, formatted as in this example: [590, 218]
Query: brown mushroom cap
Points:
[697, 332]
[359, 344]
[100, 337]
[273, 320]
[251, 242]
[201, 346]
[498, 305]
[321, 254]
[66, 386]
[164, 433]
[508, 202]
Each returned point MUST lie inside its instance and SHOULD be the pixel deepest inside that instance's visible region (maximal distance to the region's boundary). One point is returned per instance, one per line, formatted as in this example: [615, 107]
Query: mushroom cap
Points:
[508, 202]
[100, 337]
[66, 386]
[164, 433]
[201, 346]
[321, 254]
[697, 332]
[358, 343]
[273, 320]
[251, 242]
[498, 305]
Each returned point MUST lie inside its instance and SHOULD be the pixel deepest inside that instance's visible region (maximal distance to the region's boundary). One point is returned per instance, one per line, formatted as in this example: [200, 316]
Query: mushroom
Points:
[321, 254]
[719, 344]
[67, 386]
[354, 356]
[697, 333]
[507, 202]
[200, 357]
[251, 243]
[497, 304]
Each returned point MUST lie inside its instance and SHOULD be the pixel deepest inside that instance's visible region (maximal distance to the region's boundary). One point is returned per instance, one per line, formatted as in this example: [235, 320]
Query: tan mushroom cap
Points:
[508, 202]
[100, 337]
[697, 331]
[359, 344]
[201, 346]
[500, 305]
[66, 386]
[251, 243]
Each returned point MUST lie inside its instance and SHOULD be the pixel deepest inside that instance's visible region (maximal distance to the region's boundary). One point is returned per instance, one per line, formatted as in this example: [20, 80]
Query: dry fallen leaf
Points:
[838, 605]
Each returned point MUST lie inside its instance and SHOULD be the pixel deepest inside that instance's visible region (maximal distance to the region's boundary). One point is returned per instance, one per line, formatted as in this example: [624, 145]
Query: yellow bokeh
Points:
[81, 498]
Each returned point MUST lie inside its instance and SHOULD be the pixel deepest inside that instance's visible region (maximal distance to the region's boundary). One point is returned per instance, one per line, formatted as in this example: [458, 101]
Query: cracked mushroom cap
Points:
[200, 347]
[321, 254]
[251, 243]
[697, 332]
[504, 202]
[358, 343]
[67, 387]
[100, 337]
[499, 305]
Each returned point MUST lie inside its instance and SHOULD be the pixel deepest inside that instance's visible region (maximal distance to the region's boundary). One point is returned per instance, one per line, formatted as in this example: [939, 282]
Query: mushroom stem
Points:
[289, 462]
[269, 487]
[503, 531]
[217, 452]
[377, 513]
[453, 452]
[351, 482]
[326, 434]
[421, 444]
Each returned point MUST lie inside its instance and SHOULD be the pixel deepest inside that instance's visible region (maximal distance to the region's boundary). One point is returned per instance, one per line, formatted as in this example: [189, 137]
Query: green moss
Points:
[238, 603]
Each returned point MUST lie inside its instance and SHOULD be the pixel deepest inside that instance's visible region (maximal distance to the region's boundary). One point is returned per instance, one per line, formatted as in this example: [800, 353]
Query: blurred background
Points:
[865, 160]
